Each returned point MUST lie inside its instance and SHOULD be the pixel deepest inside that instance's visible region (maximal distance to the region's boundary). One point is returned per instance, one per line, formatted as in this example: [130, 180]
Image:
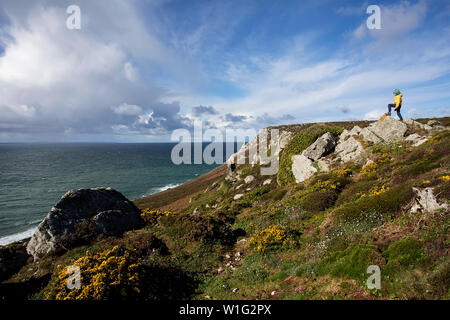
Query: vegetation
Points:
[279, 239]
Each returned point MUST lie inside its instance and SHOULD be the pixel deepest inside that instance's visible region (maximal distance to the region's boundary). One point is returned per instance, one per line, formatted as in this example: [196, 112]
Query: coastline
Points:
[173, 197]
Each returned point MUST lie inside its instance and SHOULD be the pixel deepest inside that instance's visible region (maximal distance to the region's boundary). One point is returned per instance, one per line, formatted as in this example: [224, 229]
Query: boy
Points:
[397, 104]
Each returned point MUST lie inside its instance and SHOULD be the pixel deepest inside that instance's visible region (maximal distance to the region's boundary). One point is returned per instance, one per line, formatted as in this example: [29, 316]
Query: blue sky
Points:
[137, 70]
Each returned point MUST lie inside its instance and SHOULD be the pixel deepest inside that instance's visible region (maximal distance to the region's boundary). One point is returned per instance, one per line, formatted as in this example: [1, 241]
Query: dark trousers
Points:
[391, 106]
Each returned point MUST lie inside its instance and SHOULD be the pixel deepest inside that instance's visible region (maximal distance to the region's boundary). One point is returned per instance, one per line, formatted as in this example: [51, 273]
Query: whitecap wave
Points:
[16, 237]
[161, 189]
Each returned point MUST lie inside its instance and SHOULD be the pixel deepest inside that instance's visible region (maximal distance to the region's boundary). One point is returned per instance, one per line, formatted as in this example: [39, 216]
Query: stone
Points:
[349, 150]
[369, 136]
[238, 196]
[302, 168]
[220, 270]
[425, 201]
[433, 122]
[414, 123]
[249, 179]
[389, 129]
[267, 181]
[416, 139]
[83, 213]
[356, 130]
[321, 147]
[324, 165]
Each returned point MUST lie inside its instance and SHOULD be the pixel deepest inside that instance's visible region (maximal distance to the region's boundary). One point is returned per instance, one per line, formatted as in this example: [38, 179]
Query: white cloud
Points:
[128, 110]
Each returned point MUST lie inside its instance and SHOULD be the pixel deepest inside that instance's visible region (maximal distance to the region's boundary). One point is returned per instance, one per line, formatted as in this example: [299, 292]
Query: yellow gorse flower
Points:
[101, 273]
[272, 237]
[153, 215]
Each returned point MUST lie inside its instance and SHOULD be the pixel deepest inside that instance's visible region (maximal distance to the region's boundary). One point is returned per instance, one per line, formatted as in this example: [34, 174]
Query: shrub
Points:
[271, 238]
[152, 216]
[113, 273]
[274, 195]
[298, 143]
[319, 200]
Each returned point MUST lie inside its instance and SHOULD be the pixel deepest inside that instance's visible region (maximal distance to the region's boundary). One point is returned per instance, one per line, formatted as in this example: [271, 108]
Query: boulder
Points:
[324, 165]
[81, 215]
[356, 130]
[389, 129]
[238, 196]
[302, 168]
[249, 179]
[414, 123]
[425, 201]
[416, 139]
[368, 135]
[321, 147]
[348, 150]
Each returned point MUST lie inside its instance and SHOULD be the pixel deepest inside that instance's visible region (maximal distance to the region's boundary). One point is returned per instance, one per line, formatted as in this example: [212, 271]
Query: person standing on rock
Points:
[397, 104]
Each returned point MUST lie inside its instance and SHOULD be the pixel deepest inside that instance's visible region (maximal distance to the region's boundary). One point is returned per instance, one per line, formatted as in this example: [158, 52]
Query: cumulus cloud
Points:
[71, 82]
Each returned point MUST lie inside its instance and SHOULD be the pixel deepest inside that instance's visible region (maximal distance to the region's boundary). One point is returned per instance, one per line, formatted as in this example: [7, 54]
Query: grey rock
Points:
[249, 179]
[324, 165]
[416, 139]
[83, 213]
[321, 147]
[414, 123]
[267, 181]
[369, 135]
[389, 129]
[349, 150]
[356, 130]
[425, 201]
[238, 196]
[302, 168]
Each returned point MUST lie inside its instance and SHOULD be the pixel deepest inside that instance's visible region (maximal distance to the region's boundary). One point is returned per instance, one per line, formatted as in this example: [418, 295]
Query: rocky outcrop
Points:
[356, 130]
[321, 147]
[349, 150]
[81, 215]
[388, 129]
[416, 139]
[252, 153]
[414, 123]
[425, 201]
[302, 168]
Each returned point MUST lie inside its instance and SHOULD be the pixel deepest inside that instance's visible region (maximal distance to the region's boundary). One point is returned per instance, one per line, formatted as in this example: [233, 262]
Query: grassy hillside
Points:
[280, 240]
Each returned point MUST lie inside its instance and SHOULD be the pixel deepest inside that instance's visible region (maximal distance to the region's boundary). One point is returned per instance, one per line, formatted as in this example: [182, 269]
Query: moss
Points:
[405, 253]
[298, 143]
[351, 263]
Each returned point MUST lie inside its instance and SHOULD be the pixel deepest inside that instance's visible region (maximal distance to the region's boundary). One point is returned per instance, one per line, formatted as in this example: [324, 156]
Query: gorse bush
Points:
[273, 237]
[152, 216]
[113, 273]
[298, 143]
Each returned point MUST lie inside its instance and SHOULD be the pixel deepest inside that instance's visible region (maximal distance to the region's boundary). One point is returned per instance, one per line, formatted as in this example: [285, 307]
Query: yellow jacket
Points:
[398, 100]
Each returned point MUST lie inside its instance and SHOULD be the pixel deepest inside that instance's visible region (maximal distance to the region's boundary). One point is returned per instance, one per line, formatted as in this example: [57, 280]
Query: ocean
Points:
[33, 177]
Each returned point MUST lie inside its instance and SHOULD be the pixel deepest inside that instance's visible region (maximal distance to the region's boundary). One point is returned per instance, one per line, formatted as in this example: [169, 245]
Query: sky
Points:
[136, 71]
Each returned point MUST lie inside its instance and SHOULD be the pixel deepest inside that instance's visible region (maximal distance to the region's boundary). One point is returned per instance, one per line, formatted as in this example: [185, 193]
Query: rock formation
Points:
[80, 215]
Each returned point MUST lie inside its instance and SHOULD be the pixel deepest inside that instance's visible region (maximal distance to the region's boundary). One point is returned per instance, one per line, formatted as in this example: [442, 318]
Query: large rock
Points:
[356, 130]
[349, 150]
[416, 139]
[302, 168]
[414, 123]
[81, 215]
[369, 135]
[425, 201]
[389, 129]
[321, 147]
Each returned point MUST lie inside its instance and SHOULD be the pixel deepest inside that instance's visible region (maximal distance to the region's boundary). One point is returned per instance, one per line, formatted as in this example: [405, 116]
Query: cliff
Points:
[347, 198]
